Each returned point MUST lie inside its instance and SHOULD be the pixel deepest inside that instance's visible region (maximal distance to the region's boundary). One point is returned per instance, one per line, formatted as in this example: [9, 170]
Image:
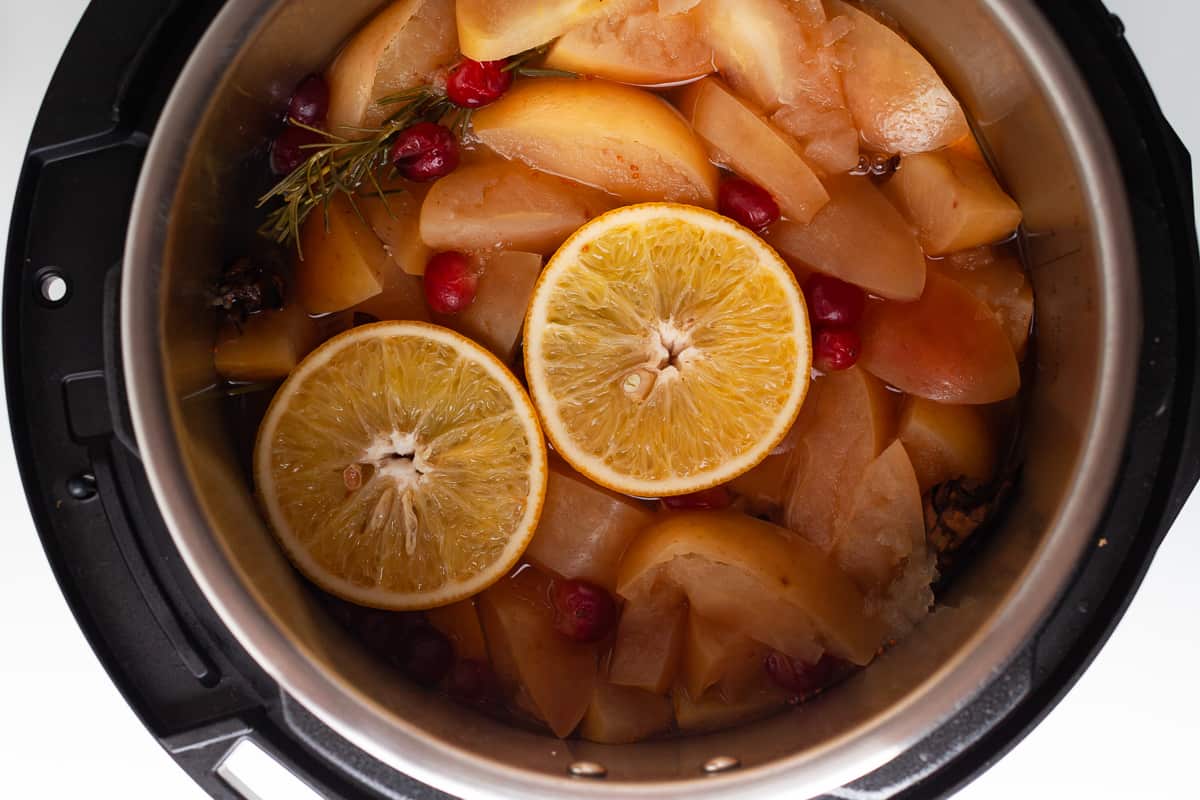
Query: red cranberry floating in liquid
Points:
[583, 612]
[289, 149]
[836, 349]
[310, 103]
[475, 84]
[425, 655]
[425, 152]
[747, 203]
[713, 499]
[450, 283]
[472, 682]
[798, 677]
[833, 302]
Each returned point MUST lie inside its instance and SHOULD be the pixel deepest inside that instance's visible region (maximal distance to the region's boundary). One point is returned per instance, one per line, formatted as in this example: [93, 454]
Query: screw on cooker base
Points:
[82, 486]
[587, 769]
[719, 764]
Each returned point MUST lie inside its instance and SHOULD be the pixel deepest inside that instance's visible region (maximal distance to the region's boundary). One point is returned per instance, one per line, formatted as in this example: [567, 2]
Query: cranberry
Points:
[310, 102]
[713, 499]
[474, 84]
[472, 682]
[450, 283]
[425, 655]
[583, 612]
[425, 152]
[289, 149]
[747, 203]
[833, 302]
[800, 678]
[836, 349]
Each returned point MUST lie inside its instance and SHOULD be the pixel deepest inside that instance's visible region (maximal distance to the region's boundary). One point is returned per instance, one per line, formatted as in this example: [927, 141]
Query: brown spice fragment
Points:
[954, 510]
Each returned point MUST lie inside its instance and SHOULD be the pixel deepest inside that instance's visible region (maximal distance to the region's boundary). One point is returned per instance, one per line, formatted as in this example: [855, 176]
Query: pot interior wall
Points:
[208, 225]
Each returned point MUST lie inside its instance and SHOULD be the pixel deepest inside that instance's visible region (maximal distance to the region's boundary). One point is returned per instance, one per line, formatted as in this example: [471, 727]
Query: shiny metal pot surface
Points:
[1049, 144]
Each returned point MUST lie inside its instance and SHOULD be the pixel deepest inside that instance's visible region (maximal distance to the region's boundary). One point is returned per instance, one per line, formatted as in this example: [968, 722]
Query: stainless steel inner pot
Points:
[1051, 149]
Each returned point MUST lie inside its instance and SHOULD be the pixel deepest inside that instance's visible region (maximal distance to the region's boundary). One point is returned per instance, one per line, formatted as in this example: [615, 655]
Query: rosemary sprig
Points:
[342, 165]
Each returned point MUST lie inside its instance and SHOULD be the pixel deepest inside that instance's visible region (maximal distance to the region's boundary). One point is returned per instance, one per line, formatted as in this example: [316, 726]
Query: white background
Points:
[1130, 728]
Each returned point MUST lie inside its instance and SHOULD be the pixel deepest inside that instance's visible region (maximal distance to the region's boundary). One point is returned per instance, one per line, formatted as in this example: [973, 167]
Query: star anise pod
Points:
[248, 286]
[956, 509]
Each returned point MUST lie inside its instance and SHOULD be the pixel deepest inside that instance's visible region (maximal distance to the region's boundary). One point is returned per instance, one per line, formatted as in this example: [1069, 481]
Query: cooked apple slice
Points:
[400, 48]
[1001, 283]
[953, 200]
[557, 674]
[339, 266]
[643, 47]
[649, 640]
[881, 542]
[584, 529]
[395, 217]
[403, 297]
[827, 137]
[753, 577]
[623, 139]
[266, 346]
[883, 521]
[769, 51]
[714, 655]
[897, 98]
[494, 319]
[622, 714]
[460, 622]
[947, 346]
[506, 204]
[763, 487]
[712, 712]
[494, 29]
[859, 237]
[947, 441]
[847, 420]
[743, 141]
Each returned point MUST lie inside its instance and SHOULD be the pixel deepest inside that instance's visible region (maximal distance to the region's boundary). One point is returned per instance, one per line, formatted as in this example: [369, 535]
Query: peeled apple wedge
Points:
[884, 522]
[947, 346]
[827, 137]
[584, 528]
[1001, 283]
[395, 217]
[714, 655]
[621, 714]
[882, 545]
[267, 346]
[495, 317]
[770, 51]
[558, 675]
[460, 622]
[341, 266]
[649, 641]
[401, 47]
[626, 140]
[847, 420]
[858, 237]
[402, 298]
[898, 100]
[644, 47]
[494, 29]
[756, 578]
[743, 141]
[505, 203]
[953, 200]
[946, 442]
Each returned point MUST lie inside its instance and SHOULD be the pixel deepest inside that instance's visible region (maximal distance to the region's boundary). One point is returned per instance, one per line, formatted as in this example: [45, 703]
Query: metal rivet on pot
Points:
[718, 764]
[82, 486]
[587, 769]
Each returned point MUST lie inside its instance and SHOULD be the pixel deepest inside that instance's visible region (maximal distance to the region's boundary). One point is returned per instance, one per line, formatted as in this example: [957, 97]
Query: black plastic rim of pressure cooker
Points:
[197, 690]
